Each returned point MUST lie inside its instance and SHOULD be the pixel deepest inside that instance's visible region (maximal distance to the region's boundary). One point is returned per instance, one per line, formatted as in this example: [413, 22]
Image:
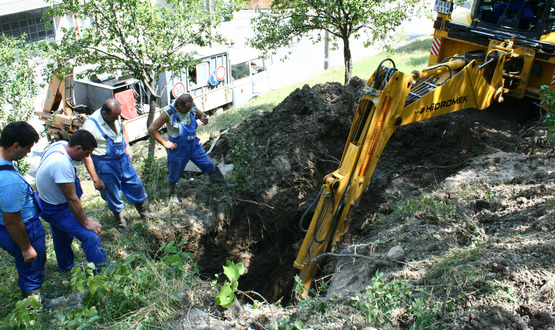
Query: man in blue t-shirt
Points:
[21, 231]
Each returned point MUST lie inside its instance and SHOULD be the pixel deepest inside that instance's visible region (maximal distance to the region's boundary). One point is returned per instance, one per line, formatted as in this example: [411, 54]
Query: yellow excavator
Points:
[478, 56]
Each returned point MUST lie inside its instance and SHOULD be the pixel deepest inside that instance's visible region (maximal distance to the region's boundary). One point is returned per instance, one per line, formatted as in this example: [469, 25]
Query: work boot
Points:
[218, 178]
[142, 208]
[172, 194]
[122, 224]
[36, 292]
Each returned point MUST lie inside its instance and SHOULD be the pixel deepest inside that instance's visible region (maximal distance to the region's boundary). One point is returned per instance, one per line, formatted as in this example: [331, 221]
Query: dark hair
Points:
[183, 99]
[82, 138]
[18, 131]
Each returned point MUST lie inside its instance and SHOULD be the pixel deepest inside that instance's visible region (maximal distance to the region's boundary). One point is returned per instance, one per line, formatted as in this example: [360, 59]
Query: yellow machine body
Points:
[461, 74]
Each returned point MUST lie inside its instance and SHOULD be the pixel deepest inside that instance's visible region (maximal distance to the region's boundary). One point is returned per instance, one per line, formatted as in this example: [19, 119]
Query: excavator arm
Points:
[391, 99]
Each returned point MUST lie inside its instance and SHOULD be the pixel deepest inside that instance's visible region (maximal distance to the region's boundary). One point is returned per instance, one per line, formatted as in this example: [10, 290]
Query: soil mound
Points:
[296, 145]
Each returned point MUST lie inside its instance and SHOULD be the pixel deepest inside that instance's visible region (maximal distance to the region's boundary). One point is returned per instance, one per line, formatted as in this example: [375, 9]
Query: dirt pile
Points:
[289, 151]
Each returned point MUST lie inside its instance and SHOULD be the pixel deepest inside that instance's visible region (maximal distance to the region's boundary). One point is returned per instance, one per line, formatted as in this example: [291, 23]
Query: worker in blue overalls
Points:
[182, 144]
[21, 231]
[110, 163]
[60, 193]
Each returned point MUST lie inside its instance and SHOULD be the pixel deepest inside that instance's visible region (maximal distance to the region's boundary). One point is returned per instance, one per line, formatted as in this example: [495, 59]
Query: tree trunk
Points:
[347, 59]
[152, 103]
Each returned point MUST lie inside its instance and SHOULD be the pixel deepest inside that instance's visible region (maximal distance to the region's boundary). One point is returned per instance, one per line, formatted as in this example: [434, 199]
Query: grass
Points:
[145, 286]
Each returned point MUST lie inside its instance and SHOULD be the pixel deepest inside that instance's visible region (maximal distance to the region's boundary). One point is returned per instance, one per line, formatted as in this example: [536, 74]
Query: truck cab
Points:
[249, 75]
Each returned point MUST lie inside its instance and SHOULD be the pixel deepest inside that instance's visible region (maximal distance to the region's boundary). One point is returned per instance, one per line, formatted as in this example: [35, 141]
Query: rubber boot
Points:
[142, 208]
[172, 194]
[122, 224]
[218, 178]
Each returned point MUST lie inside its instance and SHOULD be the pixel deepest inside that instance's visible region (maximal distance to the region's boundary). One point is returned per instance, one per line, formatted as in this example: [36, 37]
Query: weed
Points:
[153, 171]
[121, 295]
[460, 268]
[501, 291]
[548, 103]
[385, 302]
[314, 303]
[490, 195]
[426, 208]
[25, 314]
[76, 318]
[232, 271]
[286, 324]
[176, 258]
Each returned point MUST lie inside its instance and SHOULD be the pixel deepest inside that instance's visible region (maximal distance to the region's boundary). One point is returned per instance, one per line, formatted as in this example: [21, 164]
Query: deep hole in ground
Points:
[287, 153]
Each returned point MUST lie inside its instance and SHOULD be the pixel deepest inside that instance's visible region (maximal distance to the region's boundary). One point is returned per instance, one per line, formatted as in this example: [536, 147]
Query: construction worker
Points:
[21, 231]
[60, 193]
[182, 144]
[110, 163]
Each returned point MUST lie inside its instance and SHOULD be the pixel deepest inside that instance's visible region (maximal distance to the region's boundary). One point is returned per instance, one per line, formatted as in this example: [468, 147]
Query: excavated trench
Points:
[291, 149]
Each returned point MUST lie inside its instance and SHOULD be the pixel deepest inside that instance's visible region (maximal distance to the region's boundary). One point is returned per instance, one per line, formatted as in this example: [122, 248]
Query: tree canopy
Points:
[288, 21]
[143, 37]
[18, 85]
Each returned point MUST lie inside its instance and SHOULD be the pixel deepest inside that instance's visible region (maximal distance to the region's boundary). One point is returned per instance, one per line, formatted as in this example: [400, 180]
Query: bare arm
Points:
[18, 232]
[68, 189]
[154, 131]
[89, 165]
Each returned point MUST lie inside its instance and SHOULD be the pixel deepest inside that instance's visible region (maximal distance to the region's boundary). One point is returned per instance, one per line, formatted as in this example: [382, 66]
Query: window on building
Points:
[29, 23]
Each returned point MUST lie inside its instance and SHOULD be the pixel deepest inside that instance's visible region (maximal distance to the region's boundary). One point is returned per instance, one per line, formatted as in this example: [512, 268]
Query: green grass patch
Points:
[459, 268]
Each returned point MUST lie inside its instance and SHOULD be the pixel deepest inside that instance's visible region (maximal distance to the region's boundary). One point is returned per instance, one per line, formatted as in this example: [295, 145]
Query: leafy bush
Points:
[548, 102]
[244, 154]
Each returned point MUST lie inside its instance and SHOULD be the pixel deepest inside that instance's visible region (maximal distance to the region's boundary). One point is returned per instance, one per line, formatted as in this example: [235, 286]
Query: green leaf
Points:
[233, 271]
[225, 297]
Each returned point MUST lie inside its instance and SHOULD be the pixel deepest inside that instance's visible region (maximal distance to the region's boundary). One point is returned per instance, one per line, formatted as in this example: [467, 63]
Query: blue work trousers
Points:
[119, 176]
[178, 159]
[31, 274]
[65, 227]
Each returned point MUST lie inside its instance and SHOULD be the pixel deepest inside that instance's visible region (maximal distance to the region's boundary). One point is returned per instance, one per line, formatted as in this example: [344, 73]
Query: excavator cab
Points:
[532, 19]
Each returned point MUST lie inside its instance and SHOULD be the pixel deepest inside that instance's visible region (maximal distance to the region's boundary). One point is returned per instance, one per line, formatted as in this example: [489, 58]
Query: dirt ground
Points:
[497, 176]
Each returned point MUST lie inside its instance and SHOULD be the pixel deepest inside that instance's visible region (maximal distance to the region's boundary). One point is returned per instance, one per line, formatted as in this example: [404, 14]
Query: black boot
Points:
[172, 194]
[218, 178]
[142, 208]
[122, 224]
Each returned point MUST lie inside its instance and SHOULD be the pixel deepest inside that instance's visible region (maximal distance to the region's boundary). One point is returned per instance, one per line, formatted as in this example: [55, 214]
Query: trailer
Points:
[71, 99]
